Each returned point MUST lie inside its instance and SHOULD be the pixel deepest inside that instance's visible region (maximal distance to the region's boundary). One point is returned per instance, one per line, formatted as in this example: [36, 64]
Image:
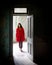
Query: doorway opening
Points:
[27, 23]
[23, 20]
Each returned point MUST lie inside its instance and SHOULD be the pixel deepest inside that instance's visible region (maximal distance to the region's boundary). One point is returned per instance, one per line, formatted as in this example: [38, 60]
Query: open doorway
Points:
[23, 20]
[27, 22]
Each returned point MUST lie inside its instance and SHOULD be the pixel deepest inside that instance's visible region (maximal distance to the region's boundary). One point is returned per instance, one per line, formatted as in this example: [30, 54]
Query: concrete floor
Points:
[20, 58]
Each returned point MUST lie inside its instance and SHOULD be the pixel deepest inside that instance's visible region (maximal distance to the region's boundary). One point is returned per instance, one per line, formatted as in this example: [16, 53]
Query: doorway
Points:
[23, 20]
[27, 23]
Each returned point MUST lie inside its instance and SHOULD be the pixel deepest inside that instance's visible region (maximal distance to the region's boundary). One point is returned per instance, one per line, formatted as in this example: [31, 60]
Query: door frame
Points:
[11, 31]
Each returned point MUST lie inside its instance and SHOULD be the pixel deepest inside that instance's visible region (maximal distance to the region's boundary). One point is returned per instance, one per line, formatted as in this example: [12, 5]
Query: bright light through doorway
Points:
[16, 49]
[21, 58]
[23, 21]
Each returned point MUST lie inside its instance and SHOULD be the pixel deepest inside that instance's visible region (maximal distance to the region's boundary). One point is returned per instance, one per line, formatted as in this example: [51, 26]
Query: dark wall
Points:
[42, 34]
[4, 35]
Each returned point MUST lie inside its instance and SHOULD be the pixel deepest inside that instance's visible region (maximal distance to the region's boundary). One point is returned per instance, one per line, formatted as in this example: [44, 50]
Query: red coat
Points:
[20, 36]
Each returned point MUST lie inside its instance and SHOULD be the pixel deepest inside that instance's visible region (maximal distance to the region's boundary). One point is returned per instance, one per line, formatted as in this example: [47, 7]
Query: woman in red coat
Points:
[20, 35]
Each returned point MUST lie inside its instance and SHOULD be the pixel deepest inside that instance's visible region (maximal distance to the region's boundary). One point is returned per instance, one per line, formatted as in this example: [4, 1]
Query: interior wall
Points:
[23, 21]
[41, 36]
[4, 36]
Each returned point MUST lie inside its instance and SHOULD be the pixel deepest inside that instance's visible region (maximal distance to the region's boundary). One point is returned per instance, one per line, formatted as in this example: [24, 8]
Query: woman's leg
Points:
[20, 45]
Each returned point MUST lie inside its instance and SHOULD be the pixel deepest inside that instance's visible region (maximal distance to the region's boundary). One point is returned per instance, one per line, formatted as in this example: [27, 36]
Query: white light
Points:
[20, 10]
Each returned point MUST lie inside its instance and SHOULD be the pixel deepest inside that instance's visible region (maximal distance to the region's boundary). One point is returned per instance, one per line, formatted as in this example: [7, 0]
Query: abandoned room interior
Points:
[37, 46]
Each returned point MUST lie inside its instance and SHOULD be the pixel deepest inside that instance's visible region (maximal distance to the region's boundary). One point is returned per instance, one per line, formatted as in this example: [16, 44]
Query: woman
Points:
[20, 35]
